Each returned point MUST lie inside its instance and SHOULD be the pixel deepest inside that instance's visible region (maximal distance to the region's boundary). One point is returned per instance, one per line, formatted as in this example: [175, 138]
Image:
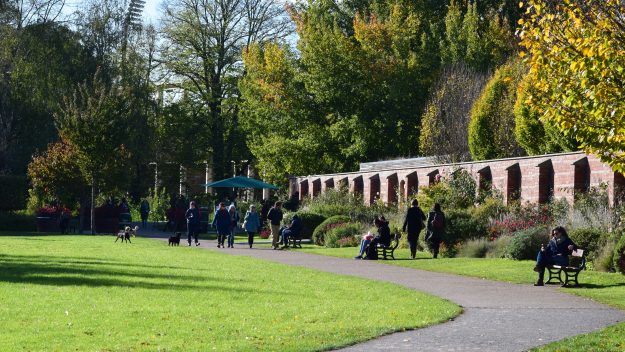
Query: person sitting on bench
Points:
[292, 230]
[556, 253]
[383, 237]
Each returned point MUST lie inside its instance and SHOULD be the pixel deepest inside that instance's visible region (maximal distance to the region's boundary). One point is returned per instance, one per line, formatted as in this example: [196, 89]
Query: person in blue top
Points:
[251, 224]
[556, 253]
[193, 223]
[292, 230]
[221, 222]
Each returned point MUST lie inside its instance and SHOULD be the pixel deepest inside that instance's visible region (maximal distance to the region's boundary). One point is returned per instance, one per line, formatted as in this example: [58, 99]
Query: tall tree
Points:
[575, 54]
[96, 121]
[203, 43]
[445, 123]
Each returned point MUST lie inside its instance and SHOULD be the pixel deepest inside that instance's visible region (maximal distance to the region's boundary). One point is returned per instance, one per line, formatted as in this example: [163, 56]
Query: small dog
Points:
[175, 239]
[126, 233]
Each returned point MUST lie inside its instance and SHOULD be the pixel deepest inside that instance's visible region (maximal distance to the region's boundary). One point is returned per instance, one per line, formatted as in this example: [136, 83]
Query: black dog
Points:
[175, 239]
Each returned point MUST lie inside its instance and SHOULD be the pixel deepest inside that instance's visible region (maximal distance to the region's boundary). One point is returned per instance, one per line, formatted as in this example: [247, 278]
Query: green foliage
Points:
[525, 244]
[534, 135]
[17, 221]
[497, 247]
[349, 230]
[619, 255]
[588, 239]
[604, 260]
[318, 235]
[56, 176]
[455, 192]
[13, 192]
[462, 226]
[482, 40]
[492, 116]
[490, 208]
[474, 248]
[310, 221]
[159, 203]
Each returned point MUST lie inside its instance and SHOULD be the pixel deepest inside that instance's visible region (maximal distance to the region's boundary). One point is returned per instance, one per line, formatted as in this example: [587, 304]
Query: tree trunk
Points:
[93, 205]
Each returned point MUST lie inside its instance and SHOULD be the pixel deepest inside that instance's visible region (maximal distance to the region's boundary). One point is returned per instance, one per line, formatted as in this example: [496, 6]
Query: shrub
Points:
[587, 239]
[265, 233]
[525, 244]
[474, 248]
[462, 225]
[604, 259]
[310, 221]
[491, 208]
[344, 231]
[13, 192]
[329, 223]
[619, 255]
[351, 241]
[17, 221]
[492, 117]
[497, 247]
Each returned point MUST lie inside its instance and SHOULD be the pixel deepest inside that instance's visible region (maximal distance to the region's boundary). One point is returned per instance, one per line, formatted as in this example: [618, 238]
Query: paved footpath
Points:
[497, 316]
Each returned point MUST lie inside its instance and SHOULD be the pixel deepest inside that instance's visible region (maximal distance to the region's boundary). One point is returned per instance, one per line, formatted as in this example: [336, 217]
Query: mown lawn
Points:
[62, 293]
[606, 288]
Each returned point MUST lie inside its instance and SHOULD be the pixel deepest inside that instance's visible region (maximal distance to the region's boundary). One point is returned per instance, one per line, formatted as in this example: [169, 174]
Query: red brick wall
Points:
[376, 183]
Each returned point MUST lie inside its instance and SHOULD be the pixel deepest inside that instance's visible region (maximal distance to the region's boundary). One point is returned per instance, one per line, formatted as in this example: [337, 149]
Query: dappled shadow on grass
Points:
[57, 271]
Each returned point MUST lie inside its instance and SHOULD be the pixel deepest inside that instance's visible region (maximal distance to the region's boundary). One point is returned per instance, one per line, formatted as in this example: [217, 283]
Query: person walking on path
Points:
[221, 222]
[193, 223]
[251, 224]
[413, 224]
[145, 212]
[435, 229]
[275, 218]
[557, 253]
[234, 220]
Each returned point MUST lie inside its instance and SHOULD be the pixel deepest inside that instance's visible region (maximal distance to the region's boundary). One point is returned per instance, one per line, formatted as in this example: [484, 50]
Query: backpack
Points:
[437, 222]
[372, 252]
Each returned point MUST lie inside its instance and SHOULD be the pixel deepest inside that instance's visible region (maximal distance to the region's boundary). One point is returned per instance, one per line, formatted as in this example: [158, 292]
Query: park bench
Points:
[388, 251]
[295, 241]
[125, 219]
[577, 263]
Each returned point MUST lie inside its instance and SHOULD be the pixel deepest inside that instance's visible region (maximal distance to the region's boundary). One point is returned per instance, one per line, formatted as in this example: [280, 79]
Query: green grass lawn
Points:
[606, 288]
[63, 293]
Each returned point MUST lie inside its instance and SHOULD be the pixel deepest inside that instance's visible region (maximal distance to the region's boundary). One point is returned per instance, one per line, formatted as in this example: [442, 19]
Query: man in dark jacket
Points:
[413, 223]
[221, 222]
[275, 218]
[193, 223]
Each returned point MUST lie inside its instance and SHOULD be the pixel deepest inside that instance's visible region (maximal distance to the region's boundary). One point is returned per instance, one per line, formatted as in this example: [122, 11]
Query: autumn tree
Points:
[575, 56]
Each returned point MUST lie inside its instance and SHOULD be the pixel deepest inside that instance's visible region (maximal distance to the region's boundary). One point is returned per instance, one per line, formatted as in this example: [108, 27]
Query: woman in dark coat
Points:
[221, 222]
[413, 224]
[435, 229]
[557, 253]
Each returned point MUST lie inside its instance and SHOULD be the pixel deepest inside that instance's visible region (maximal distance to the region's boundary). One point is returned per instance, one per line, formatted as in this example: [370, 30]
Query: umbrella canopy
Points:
[240, 182]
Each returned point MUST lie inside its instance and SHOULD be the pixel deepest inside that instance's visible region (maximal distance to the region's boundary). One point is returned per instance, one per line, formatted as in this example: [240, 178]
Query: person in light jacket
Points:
[251, 224]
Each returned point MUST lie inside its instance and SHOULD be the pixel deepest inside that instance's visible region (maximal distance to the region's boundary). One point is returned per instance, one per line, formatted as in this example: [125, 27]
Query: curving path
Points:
[497, 316]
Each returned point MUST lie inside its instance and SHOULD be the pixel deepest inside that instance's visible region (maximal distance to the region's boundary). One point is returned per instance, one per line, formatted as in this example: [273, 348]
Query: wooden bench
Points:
[125, 219]
[384, 251]
[295, 241]
[577, 263]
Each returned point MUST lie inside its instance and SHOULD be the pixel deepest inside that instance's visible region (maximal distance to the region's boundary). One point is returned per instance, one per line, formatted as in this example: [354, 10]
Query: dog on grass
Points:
[126, 233]
[174, 240]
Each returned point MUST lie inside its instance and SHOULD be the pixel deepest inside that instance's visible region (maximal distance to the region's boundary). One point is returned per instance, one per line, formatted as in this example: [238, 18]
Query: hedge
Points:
[310, 221]
[13, 192]
[318, 235]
